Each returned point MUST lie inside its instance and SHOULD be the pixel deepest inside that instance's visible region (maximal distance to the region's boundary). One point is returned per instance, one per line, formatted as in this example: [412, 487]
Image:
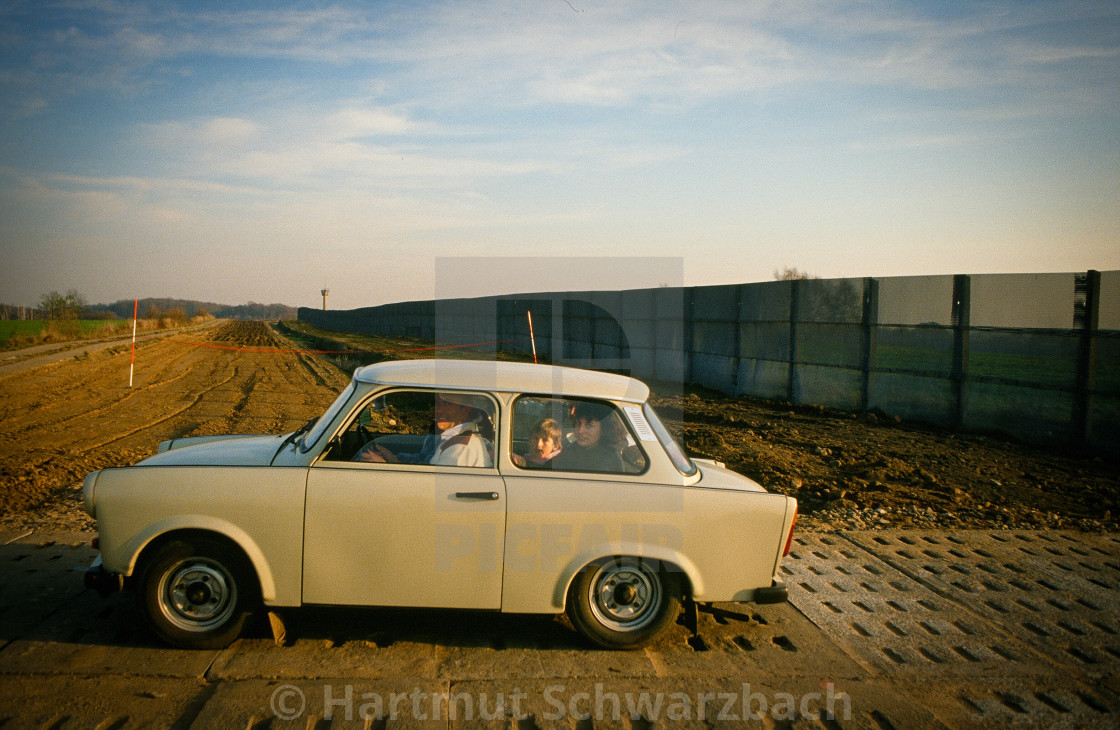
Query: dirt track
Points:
[59, 422]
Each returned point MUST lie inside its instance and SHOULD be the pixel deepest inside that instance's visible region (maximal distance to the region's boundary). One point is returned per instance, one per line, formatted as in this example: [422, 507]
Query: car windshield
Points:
[316, 431]
[672, 448]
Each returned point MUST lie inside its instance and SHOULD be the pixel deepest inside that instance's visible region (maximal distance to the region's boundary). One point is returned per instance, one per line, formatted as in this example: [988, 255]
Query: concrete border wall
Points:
[976, 353]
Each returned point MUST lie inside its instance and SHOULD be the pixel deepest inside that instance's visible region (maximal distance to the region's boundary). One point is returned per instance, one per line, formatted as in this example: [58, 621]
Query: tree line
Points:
[72, 305]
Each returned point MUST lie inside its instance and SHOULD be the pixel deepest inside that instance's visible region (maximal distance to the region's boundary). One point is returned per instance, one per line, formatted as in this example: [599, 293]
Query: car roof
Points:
[513, 377]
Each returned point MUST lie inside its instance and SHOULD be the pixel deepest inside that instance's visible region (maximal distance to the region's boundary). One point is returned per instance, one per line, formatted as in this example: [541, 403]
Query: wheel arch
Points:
[150, 541]
[672, 561]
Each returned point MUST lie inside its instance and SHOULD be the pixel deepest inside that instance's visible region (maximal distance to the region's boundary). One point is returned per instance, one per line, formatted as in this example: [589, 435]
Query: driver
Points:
[456, 440]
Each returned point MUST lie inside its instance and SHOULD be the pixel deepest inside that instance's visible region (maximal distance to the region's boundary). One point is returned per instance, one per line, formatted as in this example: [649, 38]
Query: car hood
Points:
[716, 476]
[217, 451]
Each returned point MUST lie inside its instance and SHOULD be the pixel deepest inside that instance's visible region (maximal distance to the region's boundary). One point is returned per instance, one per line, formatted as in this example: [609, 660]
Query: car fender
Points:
[605, 551]
[202, 523]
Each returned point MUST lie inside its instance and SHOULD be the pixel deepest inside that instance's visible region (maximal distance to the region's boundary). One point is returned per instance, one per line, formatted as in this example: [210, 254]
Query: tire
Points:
[623, 602]
[197, 593]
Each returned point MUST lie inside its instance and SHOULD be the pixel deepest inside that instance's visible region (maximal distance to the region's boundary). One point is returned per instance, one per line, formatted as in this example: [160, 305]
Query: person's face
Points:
[450, 414]
[545, 445]
[588, 432]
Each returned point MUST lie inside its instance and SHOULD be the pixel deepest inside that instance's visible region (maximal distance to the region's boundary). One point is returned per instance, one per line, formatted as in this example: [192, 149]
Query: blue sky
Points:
[261, 151]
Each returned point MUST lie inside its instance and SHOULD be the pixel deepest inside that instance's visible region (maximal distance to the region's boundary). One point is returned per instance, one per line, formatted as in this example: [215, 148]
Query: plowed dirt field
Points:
[60, 421]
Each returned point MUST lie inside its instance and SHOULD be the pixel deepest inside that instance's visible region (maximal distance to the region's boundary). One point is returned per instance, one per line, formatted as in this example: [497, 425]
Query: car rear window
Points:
[566, 425]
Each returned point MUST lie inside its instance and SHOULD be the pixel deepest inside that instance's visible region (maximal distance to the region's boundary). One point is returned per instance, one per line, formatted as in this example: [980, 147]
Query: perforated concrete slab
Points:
[892, 622]
[116, 702]
[37, 577]
[993, 627]
[900, 629]
[1057, 591]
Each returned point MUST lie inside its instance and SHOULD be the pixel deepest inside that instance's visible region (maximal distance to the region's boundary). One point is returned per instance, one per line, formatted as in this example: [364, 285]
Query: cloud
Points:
[408, 125]
[229, 130]
[354, 122]
[516, 54]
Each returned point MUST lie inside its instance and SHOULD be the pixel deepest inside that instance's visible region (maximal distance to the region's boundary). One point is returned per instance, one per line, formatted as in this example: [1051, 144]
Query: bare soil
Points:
[867, 470]
[61, 421]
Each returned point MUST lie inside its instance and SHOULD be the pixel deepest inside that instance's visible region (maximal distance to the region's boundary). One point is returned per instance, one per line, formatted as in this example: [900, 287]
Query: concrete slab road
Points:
[884, 629]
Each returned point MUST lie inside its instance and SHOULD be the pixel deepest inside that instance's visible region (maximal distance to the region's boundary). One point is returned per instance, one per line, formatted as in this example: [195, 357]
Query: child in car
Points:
[544, 444]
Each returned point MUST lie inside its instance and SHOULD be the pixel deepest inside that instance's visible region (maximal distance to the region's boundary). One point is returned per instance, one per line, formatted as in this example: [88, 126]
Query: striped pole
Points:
[132, 362]
[531, 337]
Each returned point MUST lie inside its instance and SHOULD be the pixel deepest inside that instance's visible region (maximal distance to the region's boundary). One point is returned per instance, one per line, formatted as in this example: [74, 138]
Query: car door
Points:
[384, 534]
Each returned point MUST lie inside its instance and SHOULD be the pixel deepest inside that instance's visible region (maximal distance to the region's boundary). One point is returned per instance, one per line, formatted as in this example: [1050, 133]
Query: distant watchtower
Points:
[325, 293]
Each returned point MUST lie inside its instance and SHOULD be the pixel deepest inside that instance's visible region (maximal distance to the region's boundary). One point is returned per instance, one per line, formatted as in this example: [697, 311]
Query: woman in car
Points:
[589, 450]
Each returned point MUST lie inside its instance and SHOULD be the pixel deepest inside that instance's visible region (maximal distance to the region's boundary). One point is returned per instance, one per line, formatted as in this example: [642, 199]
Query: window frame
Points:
[363, 407]
[570, 401]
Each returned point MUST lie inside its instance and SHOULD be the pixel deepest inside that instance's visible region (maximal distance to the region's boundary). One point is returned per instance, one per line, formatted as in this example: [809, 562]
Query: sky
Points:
[263, 151]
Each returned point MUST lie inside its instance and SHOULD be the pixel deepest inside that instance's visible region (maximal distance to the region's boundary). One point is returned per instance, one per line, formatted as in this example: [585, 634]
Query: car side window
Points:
[424, 427]
[573, 434]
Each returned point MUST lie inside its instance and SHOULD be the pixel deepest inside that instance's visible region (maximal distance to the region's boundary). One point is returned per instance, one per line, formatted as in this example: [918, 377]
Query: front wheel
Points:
[623, 602]
[197, 594]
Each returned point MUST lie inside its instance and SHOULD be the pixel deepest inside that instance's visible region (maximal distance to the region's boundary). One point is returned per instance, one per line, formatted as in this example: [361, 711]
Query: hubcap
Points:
[197, 594]
[624, 596]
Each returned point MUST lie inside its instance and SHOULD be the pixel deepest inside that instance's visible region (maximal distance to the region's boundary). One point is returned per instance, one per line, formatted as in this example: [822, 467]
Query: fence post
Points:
[1086, 317]
[593, 326]
[737, 339]
[686, 344]
[962, 321]
[794, 315]
[870, 338]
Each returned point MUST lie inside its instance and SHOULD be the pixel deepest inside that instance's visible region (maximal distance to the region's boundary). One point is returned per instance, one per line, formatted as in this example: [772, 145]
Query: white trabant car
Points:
[439, 483]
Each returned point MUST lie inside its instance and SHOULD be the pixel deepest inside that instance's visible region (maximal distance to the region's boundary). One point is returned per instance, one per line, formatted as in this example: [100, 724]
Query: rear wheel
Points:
[623, 602]
[197, 593]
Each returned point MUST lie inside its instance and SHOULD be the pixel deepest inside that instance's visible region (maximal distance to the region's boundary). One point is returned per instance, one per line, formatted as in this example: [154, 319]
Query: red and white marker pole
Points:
[531, 337]
[132, 362]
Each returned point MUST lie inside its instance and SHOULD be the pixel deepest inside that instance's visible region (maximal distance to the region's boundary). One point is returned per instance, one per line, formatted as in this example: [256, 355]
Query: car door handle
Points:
[492, 496]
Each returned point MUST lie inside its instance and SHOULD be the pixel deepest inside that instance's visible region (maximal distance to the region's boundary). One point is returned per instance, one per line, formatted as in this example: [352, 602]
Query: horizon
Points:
[264, 152]
[1110, 304]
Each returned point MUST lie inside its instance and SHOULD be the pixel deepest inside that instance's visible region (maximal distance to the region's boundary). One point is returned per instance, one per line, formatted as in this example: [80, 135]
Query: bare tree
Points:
[832, 300]
[62, 306]
[790, 273]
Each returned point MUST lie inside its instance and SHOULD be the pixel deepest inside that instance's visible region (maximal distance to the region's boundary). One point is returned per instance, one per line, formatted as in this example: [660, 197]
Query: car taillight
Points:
[789, 538]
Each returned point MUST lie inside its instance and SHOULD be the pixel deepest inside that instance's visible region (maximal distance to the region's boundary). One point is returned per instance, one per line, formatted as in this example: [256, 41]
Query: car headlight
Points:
[89, 493]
